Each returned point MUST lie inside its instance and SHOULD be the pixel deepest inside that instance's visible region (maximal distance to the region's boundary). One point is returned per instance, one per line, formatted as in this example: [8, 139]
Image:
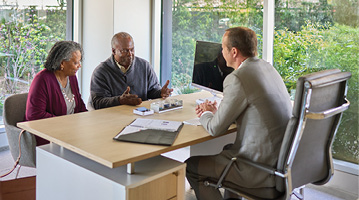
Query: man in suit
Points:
[256, 99]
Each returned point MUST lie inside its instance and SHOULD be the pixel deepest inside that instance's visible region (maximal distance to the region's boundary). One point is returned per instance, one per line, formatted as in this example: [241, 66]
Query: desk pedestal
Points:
[63, 174]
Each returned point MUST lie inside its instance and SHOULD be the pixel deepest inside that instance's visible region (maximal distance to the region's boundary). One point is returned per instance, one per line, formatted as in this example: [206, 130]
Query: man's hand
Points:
[206, 106]
[166, 92]
[129, 99]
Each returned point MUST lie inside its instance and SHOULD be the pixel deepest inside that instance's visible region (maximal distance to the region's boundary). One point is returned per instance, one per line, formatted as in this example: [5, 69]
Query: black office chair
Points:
[14, 112]
[305, 155]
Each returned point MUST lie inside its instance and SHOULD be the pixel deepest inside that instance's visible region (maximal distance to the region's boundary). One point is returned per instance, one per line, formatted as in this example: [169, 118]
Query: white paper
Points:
[156, 124]
[130, 129]
[164, 125]
[194, 122]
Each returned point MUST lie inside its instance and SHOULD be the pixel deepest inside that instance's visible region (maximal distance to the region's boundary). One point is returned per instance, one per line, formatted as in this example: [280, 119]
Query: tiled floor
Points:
[311, 192]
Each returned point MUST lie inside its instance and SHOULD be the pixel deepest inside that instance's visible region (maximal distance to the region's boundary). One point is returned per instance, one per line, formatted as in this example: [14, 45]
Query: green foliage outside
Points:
[299, 53]
[209, 24]
[25, 41]
[308, 37]
[314, 49]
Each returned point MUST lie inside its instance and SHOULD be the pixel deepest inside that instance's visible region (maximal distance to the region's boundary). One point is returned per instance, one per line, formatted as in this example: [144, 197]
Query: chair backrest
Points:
[14, 112]
[305, 153]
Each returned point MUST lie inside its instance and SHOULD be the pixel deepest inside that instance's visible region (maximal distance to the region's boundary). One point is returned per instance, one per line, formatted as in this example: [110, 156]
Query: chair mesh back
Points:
[300, 87]
[313, 159]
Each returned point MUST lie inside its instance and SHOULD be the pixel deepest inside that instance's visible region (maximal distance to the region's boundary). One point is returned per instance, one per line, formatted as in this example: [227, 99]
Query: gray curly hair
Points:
[61, 51]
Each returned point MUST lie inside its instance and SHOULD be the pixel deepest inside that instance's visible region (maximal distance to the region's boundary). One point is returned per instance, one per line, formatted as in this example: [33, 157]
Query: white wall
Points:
[134, 17]
[101, 20]
[97, 31]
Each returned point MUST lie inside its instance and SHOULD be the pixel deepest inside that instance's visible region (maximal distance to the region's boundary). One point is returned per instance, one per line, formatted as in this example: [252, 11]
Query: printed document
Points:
[141, 124]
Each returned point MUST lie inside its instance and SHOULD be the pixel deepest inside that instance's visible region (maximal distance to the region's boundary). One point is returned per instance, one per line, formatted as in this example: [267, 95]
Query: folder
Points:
[150, 131]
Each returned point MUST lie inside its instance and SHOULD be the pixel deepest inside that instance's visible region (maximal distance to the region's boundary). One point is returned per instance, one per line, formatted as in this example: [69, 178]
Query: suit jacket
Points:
[256, 99]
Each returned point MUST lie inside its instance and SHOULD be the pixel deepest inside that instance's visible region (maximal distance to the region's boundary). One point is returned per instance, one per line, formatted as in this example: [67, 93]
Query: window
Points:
[28, 30]
[207, 21]
[314, 35]
[309, 36]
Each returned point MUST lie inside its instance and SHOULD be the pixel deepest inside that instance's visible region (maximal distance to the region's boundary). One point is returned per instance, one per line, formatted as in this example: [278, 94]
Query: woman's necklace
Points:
[67, 98]
[63, 91]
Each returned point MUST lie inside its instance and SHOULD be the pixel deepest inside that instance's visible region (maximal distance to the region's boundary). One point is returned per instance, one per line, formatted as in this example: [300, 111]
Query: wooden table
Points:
[90, 133]
[83, 154]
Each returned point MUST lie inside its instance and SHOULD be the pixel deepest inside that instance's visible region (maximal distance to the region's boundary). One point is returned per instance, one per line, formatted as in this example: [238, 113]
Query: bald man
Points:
[124, 79]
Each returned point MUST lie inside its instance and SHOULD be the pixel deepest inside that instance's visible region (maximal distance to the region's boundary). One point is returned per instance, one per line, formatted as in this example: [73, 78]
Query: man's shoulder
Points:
[106, 64]
[250, 69]
[140, 61]
[255, 61]
[253, 65]
[140, 65]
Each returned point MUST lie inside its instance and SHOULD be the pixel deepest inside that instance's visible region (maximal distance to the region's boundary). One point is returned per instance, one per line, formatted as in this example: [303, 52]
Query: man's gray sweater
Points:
[108, 82]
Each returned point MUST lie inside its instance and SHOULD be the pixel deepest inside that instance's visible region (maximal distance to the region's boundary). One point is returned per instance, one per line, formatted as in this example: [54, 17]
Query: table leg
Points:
[131, 168]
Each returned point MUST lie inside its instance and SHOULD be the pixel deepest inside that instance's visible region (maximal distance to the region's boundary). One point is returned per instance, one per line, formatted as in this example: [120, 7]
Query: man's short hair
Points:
[244, 39]
[119, 35]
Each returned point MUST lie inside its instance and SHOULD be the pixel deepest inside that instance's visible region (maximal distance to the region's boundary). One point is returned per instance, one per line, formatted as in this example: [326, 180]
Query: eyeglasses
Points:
[127, 50]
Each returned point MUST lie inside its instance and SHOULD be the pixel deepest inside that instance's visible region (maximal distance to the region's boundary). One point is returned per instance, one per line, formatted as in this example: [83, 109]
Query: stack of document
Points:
[150, 131]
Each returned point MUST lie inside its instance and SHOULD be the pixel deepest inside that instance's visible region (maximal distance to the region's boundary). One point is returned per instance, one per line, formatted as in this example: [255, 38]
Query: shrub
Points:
[317, 47]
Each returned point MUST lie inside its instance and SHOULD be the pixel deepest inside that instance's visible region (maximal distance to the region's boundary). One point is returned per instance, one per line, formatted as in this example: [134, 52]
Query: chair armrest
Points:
[266, 168]
[328, 113]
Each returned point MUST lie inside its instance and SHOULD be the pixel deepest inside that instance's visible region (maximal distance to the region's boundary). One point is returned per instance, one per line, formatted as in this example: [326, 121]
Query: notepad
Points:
[150, 131]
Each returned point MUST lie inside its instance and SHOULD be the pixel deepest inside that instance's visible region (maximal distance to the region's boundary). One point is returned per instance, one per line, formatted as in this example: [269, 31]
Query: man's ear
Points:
[234, 52]
[113, 51]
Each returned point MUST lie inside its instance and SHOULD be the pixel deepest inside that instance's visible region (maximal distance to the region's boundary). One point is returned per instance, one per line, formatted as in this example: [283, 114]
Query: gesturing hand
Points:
[129, 99]
[166, 92]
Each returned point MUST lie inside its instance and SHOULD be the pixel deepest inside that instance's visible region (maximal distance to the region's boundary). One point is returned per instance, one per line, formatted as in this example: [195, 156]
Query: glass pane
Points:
[313, 35]
[28, 30]
[206, 20]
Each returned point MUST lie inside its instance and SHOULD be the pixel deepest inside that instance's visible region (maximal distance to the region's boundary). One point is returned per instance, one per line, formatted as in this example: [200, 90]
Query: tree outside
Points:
[27, 34]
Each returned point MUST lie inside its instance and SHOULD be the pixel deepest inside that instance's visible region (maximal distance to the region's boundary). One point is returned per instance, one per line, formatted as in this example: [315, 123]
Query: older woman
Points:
[54, 90]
